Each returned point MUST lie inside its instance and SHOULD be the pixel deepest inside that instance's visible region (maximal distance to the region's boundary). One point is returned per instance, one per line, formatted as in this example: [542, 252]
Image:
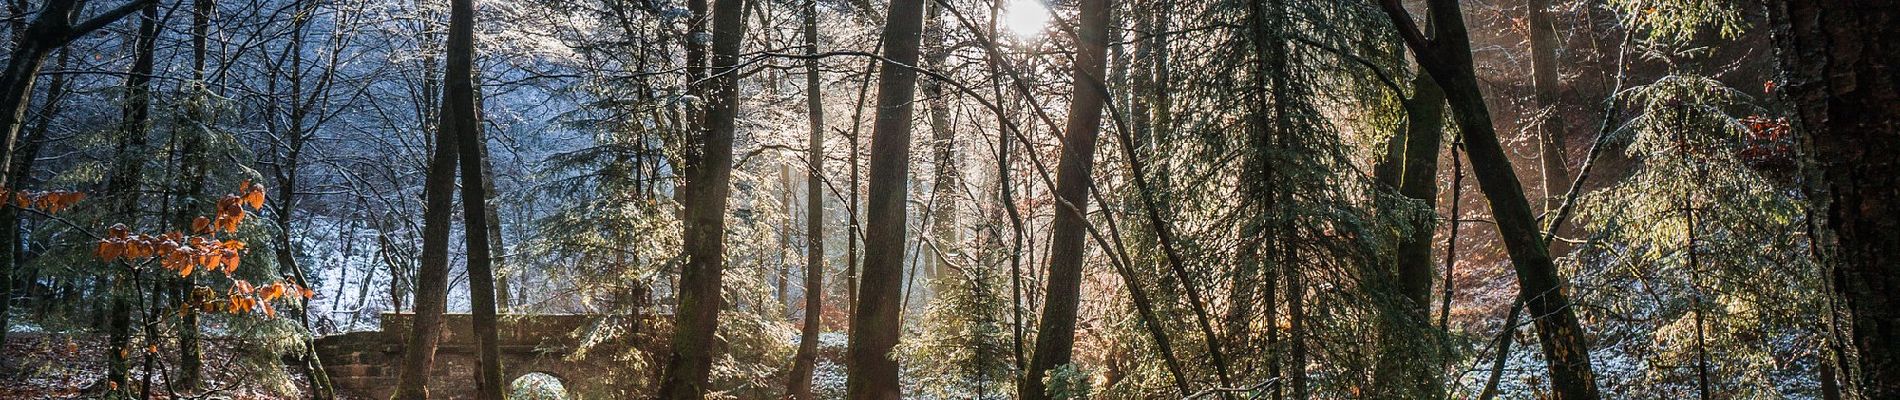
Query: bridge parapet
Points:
[365, 364]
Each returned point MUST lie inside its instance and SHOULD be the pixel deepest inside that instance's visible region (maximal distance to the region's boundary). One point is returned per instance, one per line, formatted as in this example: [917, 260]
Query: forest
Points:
[950, 199]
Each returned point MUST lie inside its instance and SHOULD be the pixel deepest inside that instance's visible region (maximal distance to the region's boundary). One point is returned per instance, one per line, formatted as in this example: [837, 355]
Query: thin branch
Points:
[104, 19]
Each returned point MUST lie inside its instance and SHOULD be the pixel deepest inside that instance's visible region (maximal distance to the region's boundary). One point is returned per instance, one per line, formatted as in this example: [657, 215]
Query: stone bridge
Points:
[365, 364]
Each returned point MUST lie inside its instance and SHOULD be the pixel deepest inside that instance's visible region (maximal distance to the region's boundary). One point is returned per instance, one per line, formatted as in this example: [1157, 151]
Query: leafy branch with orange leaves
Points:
[203, 249]
[49, 202]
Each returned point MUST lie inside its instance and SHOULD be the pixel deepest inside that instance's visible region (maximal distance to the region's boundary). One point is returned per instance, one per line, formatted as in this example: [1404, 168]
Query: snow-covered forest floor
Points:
[52, 365]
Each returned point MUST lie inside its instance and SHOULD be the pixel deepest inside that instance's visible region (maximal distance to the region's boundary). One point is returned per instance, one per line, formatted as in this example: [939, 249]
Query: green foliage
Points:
[1717, 250]
[261, 347]
[1680, 21]
[963, 349]
[1068, 382]
[1264, 174]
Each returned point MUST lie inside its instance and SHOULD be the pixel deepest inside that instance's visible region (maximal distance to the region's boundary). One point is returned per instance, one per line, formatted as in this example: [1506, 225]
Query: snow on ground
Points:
[63, 366]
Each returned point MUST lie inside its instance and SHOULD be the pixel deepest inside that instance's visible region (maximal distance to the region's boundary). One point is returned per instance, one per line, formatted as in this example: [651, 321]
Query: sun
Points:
[1025, 18]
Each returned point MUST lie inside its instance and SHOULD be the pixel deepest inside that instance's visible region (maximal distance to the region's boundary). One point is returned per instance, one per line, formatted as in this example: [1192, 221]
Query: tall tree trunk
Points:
[1839, 59]
[1270, 123]
[192, 169]
[853, 208]
[1295, 314]
[806, 361]
[1447, 58]
[19, 174]
[708, 178]
[1006, 197]
[874, 321]
[1507, 334]
[461, 121]
[498, 253]
[945, 184]
[23, 67]
[432, 276]
[1547, 86]
[127, 171]
[1424, 137]
[787, 198]
[853, 229]
[1409, 366]
[1055, 337]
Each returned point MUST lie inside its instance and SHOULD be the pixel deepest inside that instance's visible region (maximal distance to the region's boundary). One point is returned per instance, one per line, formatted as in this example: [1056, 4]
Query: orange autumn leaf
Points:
[229, 204]
[138, 250]
[273, 291]
[109, 251]
[255, 197]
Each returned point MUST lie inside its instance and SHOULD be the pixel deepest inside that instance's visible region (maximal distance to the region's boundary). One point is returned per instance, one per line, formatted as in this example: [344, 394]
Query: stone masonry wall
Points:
[364, 364]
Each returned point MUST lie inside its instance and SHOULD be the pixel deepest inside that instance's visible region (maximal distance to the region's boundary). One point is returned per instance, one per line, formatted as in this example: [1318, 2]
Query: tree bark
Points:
[874, 320]
[432, 276]
[461, 120]
[1055, 337]
[806, 360]
[498, 257]
[19, 175]
[1547, 87]
[1506, 336]
[1006, 197]
[853, 229]
[190, 140]
[1447, 58]
[944, 185]
[127, 172]
[1409, 366]
[23, 67]
[1839, 59]
[786, 199]
[708, 179]
[1270, 122]
[1295, 315]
